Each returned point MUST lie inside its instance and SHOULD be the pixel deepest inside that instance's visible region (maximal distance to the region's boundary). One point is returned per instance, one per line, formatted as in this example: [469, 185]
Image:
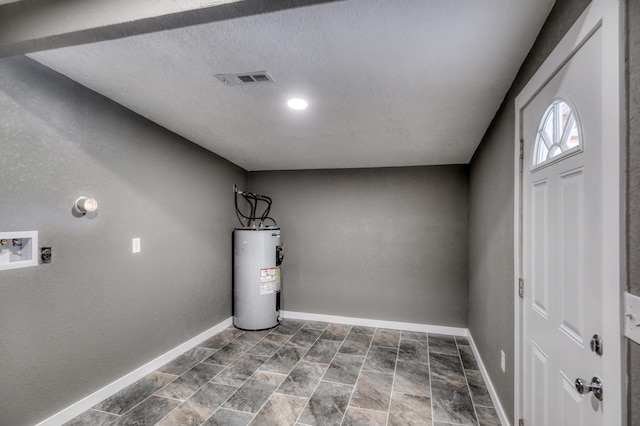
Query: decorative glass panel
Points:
[558, 133]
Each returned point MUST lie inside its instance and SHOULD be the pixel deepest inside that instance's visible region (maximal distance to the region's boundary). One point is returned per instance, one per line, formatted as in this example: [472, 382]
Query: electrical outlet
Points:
[503, 363]
[135, 245]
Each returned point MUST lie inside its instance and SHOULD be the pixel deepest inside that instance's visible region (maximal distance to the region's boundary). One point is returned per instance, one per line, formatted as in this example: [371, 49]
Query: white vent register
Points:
[245, 78]
[18, 249]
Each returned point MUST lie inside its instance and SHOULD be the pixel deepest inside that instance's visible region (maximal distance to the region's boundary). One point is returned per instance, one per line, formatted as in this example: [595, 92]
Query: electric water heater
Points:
[257, 256]
[257, 279]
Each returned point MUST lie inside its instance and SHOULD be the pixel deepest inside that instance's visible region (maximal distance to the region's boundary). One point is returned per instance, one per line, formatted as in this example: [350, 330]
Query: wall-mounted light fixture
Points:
[86, 205]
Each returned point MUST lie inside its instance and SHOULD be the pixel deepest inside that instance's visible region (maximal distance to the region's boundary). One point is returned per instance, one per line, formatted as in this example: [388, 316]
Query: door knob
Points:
[584, 387]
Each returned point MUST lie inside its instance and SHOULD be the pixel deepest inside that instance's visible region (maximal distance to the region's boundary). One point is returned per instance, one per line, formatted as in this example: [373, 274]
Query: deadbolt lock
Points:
[596, 344]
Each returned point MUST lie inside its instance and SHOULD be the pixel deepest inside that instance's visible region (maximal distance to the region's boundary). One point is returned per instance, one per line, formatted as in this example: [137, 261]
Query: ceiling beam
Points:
[34, 25]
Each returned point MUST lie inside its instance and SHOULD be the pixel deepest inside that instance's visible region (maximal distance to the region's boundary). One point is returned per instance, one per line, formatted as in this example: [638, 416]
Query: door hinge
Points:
[520, 422]
[521, 288]
[522, 149]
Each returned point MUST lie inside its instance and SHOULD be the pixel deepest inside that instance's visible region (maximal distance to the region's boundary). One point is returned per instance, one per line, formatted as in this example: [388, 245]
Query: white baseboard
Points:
[84, 404]
[487, 381]
[394, 325]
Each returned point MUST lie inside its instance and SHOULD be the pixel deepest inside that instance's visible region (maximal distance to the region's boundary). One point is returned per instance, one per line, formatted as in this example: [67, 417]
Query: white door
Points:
[562, 225]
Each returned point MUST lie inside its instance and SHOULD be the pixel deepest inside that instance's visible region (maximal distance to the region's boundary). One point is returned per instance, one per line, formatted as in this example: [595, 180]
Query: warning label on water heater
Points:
[269, 278]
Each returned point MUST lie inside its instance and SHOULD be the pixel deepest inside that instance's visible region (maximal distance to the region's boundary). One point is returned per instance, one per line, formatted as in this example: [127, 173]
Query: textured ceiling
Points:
[389, 83]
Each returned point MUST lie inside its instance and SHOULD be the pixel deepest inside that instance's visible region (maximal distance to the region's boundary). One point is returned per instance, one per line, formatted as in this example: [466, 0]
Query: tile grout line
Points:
[228, 398]
[336, 383]
[295, 365]
[221, 404]
[319, 381]
[267, 400]
[430, 375]
[466, 380]
[209, 381]
[105, 412]
[216, 375]
[299, 361]
[325, 372]
[258, 369]
[169, 413]
[393, 382]
[143, 400]
[358, 378]
[132, 408]
[485, 406]
[369, 409]
[138, 404]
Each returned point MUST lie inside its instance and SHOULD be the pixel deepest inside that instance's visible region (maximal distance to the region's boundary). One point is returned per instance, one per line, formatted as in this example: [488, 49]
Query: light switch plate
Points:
[632, 317]
[135, 245]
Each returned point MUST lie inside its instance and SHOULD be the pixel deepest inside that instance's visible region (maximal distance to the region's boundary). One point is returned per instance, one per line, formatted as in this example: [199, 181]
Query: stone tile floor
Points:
[308, 373]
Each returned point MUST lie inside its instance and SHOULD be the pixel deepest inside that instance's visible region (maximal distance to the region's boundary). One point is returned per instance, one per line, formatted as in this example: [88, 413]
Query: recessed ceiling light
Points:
[296, 103]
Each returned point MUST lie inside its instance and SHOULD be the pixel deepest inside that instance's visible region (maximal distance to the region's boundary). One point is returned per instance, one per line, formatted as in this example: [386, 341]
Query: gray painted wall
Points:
[98, 312]
[60, 321]
[388, 244]
[633, 199]
[491, 216]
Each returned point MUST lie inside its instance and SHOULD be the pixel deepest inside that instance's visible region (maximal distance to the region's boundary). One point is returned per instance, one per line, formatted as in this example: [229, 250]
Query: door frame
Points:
[607, 16]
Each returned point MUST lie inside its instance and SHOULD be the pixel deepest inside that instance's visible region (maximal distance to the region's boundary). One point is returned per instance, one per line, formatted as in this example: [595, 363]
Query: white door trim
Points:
[607, 15]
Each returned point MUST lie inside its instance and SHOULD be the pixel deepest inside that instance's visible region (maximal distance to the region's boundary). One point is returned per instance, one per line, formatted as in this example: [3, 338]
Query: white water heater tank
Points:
[257, 255]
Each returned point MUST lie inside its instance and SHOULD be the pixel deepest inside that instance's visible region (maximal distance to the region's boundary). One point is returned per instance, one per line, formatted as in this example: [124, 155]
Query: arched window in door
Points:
[559, 133]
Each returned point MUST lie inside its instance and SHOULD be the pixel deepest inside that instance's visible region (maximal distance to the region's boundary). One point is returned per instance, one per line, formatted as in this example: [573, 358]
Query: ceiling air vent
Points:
[245, 78]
